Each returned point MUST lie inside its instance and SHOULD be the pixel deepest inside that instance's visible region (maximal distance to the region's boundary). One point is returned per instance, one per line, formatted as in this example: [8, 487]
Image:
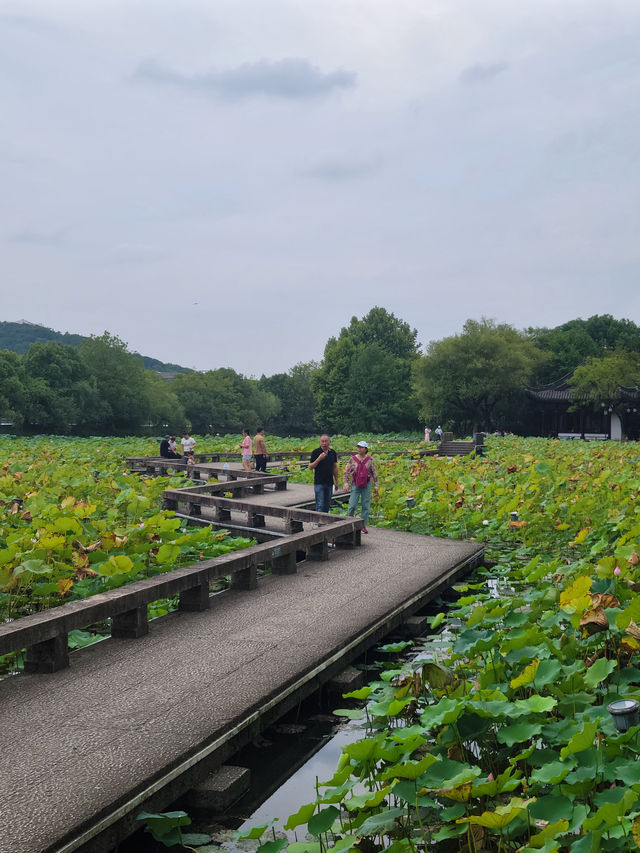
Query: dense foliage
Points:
[364, 382]
[372, 377]
[74, 522]
[498, 737]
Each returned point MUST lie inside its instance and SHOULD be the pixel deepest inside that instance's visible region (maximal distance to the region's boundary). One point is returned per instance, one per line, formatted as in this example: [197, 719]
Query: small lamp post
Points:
[624, 713]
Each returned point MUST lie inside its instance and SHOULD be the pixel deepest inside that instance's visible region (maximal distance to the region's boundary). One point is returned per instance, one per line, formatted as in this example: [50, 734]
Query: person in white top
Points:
[187, 443]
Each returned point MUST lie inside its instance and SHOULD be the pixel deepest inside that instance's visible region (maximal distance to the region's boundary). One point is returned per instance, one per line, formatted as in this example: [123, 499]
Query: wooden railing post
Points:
[245, 578]
[195, 599]
[131, 624]
[48, 656]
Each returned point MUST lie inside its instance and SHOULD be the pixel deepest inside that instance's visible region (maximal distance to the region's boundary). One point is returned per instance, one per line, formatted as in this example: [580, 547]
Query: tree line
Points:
[373, 378]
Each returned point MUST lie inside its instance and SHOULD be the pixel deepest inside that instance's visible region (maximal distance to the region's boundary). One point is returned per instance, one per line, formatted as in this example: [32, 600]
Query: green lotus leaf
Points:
[301, 817]
[446, 773]
[551, 808]
[611, 811]
[444, 712]
[362, 693]
[350, 713]
[305, 847]
[450, 831]
[367, 801]
[548, 673]
[600, 670]
[552, 773]
[409, 769]
[323, 820]
[168, 553]
[518, 732]
[378, 823]
[535, 705]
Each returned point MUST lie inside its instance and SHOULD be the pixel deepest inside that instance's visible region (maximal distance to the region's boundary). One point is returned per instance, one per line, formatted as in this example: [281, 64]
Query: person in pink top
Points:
[246, 450]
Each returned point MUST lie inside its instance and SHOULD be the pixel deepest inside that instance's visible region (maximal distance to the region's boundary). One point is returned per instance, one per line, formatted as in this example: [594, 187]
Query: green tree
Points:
[119, 379]
[364, 382]
[599, 380]
[166, 413]
[571, 344]
[13, 394]
[223, 401]
[297, 402]
[476, 379]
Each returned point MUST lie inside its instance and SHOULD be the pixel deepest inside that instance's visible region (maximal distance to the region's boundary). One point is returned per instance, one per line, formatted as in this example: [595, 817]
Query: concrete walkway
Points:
[129, 717]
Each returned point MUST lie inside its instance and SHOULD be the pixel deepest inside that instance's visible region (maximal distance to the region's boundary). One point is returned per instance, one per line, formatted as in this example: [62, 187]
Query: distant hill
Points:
[18, 337]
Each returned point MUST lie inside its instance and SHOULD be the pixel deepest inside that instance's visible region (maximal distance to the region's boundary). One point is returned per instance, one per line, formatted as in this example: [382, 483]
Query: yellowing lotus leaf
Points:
[64, 585]
[549, 831]
[526, 676]
[581, 536]
[460, 794]
[501, 816]
[575, 598]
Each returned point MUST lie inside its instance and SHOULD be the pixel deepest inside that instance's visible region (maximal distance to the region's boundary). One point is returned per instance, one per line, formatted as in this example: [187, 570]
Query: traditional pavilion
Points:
[618, 419]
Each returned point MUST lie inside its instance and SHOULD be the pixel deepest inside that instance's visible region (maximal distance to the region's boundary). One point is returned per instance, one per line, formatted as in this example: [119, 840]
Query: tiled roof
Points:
[561, 392]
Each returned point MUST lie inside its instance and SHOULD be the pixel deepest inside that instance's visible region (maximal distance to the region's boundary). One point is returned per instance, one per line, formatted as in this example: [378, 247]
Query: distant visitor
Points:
[260, 450]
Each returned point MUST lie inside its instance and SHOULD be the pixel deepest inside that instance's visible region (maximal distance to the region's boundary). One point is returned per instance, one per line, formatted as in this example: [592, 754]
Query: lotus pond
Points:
[503, 740]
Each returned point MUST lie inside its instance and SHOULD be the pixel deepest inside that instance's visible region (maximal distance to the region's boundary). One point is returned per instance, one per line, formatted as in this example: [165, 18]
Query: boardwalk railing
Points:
[45, 635]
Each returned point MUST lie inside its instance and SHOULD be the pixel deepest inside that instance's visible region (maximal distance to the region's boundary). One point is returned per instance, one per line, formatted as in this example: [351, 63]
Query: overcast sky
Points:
[227, 182]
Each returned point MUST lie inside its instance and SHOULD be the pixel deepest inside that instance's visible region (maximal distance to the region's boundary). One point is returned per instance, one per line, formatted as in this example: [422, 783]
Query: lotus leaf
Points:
[619, 801]
[367, 801]
[301, 817]
[323, 820]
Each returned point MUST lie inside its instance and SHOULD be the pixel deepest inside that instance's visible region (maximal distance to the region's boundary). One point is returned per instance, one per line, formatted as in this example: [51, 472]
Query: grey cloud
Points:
[133, 253]
[480, 73]
[341, 171]
[285, 78]
[31, 237]
[22, 22]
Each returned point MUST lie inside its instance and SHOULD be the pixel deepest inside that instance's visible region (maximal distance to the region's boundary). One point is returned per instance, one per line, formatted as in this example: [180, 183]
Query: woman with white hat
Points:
[359, 473]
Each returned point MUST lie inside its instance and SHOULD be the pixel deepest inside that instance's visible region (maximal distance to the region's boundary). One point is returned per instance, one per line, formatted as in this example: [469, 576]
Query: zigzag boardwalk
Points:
[134, 722]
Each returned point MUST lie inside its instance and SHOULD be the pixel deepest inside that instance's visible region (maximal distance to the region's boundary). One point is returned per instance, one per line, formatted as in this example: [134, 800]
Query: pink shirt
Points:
[246, 446]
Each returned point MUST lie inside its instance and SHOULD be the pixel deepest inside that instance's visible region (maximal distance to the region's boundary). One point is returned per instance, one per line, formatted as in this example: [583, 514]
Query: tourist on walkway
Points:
[359, 473]
[168, 448]
[245, 449]
[187, 443]
[438, 433]
[260, 450]
[427, 434]
[324, 464]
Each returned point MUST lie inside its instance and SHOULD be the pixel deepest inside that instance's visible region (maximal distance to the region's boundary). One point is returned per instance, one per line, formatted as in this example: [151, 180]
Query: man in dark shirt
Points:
[164, 447]
[324, 464]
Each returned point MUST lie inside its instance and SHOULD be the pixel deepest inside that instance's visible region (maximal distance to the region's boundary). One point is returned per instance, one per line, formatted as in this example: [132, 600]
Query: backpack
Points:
[361, 477]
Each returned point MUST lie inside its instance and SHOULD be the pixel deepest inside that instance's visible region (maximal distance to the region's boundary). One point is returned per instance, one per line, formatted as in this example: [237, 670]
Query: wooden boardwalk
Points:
[133, 723]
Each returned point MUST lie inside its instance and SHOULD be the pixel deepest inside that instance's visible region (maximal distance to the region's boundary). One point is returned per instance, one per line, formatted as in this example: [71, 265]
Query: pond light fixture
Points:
[624, 713]
[410, 502]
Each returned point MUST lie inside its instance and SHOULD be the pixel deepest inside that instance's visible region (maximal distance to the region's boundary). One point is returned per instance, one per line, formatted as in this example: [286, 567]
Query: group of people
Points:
[169, 447]
[257, 448]
[360, 477]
